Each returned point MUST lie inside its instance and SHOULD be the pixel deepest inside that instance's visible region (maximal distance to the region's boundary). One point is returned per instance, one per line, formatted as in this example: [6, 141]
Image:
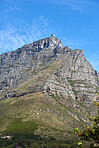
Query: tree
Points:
[91, 132]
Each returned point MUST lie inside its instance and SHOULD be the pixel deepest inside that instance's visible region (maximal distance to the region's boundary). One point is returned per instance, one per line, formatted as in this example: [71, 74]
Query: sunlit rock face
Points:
[72, 75]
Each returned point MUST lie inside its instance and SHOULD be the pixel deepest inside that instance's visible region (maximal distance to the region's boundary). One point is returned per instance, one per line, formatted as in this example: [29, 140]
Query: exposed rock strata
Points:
[74, 76]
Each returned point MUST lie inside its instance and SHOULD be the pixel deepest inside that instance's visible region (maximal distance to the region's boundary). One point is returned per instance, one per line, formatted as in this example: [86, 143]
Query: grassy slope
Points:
[40, 113]
[40, 108]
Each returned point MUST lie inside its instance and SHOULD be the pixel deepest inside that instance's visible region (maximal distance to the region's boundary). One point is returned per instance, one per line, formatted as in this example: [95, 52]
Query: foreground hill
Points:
[46, 89]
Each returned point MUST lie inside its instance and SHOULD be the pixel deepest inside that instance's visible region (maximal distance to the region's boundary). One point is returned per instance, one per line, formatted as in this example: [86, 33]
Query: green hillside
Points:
[39, 117]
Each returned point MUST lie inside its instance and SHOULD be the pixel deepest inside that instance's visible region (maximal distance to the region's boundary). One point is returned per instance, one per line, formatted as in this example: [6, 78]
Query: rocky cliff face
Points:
[15, 66]
[67, 72]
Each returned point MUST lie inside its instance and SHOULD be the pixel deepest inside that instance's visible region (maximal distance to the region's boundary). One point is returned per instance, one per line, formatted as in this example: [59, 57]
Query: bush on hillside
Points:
[91, 133]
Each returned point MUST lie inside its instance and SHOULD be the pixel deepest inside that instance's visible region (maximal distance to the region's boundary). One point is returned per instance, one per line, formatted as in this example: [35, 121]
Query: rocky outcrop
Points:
[76, 77]
[20, 65]
[73, 75]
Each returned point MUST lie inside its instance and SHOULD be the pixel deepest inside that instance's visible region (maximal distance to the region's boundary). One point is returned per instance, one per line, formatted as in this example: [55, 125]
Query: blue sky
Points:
[74, 22]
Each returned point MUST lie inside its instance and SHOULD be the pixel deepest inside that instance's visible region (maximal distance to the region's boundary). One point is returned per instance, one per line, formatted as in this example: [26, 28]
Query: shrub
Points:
[91, 133]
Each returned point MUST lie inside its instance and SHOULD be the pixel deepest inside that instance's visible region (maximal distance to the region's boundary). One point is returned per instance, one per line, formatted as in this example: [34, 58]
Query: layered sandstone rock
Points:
[74, 75]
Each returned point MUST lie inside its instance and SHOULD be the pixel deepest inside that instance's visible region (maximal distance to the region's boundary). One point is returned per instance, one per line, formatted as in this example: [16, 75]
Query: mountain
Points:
[72, 75]
[46, 83]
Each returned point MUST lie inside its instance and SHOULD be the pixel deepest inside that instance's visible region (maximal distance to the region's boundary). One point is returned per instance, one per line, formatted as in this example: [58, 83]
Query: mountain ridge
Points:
[47, 86]
[24, 63]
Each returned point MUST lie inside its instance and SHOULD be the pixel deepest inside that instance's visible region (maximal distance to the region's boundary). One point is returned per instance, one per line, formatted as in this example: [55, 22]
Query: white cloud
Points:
[76, 5]
[13, 37]
[94, 60]
[74, 43]
[10, 5]
[12, 8]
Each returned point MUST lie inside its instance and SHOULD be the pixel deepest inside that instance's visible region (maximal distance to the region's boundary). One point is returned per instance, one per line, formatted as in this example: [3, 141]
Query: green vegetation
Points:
[20, 127]
[71, 82]
[34, 141]
[91, 133]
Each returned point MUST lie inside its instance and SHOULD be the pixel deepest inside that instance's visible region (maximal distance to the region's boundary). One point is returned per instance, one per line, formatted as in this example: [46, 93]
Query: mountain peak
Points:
[52, 35]
[49, 42]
